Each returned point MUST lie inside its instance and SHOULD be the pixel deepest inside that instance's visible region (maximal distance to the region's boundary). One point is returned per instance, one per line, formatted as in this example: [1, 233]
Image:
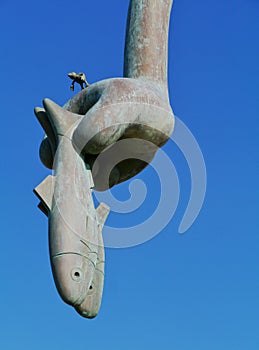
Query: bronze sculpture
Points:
[78, 78]
[89, 125]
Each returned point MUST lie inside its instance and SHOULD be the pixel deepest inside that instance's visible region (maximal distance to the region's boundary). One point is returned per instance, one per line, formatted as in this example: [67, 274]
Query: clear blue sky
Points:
[193, 291]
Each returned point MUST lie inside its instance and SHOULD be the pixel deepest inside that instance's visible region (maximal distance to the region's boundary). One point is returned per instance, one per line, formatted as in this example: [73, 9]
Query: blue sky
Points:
[198, 290]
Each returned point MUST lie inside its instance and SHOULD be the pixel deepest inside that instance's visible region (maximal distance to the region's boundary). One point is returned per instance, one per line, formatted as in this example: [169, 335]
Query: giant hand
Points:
[136, 106]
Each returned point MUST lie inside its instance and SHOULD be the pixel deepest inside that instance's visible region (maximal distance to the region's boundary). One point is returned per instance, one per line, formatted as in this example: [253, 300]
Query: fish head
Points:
[73, 275]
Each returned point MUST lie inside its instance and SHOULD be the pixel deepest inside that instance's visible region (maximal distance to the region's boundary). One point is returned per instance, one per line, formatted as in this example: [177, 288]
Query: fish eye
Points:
[76, 274]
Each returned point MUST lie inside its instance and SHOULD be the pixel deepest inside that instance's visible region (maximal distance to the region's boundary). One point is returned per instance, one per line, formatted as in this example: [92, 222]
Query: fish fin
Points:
[43, 208]
[63, 122]
[44, 191]
[47, 127]
[102, 212]
[89, 177]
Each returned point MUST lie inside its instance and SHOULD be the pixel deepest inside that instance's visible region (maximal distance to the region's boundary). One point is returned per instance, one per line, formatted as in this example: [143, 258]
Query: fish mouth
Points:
[84, 313]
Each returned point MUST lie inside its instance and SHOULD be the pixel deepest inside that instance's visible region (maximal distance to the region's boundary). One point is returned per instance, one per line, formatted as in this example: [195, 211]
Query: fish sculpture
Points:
[75, 240]
[85, 130]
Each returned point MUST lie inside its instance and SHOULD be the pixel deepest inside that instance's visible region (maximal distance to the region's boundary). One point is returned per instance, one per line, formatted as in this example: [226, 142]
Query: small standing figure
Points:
[79, 78]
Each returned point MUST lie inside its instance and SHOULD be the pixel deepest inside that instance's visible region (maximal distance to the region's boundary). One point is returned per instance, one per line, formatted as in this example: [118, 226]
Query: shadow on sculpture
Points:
[79, 145]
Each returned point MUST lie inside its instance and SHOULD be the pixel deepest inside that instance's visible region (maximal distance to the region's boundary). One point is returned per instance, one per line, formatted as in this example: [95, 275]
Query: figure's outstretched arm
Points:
[146, 46]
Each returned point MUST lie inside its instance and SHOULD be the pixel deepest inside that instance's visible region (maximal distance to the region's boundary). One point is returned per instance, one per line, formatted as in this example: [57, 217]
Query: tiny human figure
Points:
[79, 78]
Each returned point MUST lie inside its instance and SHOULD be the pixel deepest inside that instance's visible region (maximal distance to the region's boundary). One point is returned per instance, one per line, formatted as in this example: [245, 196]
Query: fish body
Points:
[66, 197]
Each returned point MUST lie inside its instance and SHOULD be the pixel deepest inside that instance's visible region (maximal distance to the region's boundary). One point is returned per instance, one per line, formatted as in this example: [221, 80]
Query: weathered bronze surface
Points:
[78, 78]
[86, 130]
